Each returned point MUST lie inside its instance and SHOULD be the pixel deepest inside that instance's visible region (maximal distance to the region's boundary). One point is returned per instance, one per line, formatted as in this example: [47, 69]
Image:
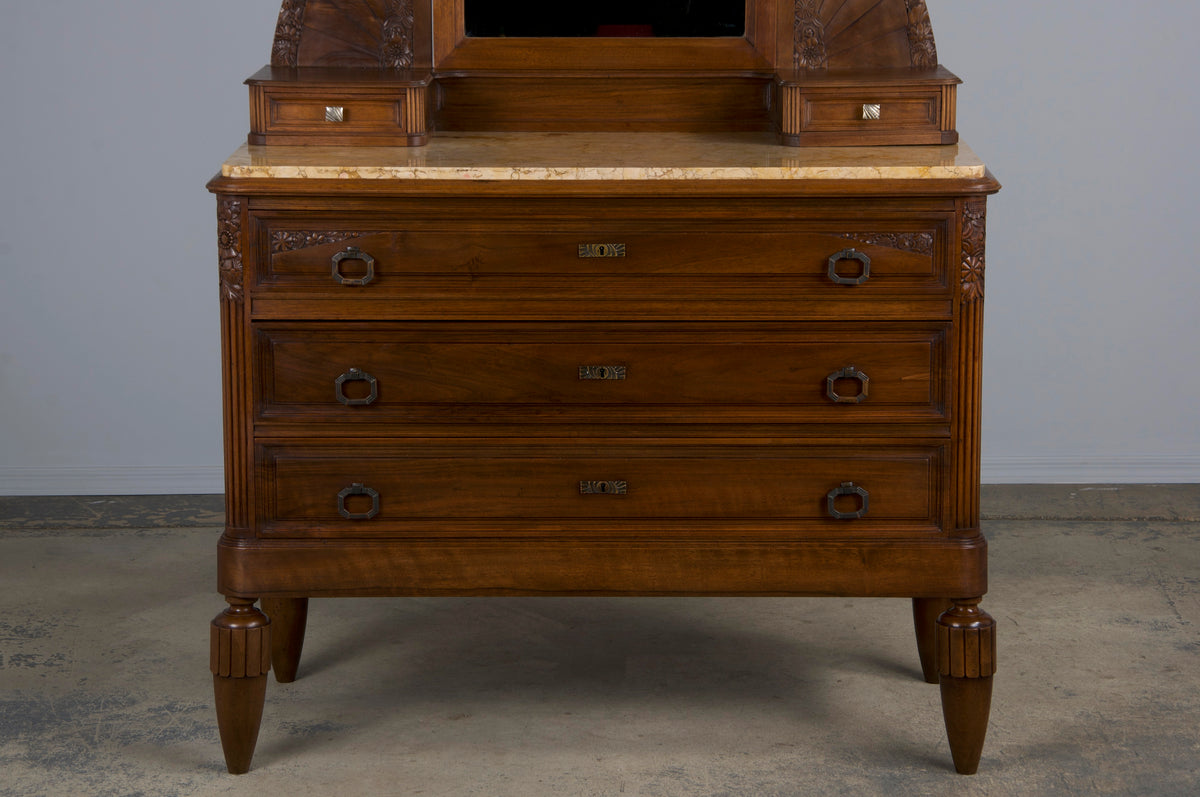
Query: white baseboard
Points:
[209, 479]
[166, 480]
[1092, 469]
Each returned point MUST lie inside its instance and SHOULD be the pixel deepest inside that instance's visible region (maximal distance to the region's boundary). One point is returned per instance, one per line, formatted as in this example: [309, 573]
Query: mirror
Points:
[613, 19]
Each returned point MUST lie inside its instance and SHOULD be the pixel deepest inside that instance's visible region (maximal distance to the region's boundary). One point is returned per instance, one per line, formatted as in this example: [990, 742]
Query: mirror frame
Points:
[755, 51]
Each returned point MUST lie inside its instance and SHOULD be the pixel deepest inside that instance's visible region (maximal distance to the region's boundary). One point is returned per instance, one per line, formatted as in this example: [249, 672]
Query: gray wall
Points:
[115, 114]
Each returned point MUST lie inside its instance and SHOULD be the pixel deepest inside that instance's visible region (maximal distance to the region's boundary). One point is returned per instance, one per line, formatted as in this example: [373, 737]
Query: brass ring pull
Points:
[355, 375]
[849, 254]
[864, 383]
[353, 253]
[358, 489]
[848, 488]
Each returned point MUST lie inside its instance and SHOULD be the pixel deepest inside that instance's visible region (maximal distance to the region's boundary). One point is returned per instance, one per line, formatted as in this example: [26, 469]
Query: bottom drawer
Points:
[491, 488]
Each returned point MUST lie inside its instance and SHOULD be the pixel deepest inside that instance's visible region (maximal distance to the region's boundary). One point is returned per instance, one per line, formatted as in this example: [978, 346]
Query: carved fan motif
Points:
[833, 34]
[349, 33]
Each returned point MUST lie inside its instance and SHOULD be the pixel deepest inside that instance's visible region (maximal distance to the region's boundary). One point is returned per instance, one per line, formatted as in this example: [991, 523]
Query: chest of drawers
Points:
[478, 370]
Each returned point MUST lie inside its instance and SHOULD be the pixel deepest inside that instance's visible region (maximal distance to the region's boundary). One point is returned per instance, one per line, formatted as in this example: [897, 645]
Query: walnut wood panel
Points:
[471, 373]
[561, 102]
[581, 566]
[446, 489]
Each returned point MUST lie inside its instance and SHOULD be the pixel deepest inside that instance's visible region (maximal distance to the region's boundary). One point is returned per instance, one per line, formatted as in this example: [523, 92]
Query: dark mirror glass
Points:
[617, 18]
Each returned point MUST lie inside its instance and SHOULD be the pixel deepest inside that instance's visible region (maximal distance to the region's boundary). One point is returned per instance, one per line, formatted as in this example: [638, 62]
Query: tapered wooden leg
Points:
[240, 659]
[926, 612]
[289, 617]
[966, 645]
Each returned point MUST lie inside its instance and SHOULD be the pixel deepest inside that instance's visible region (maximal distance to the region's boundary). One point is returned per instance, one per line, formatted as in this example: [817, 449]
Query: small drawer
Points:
[828, 112]
[602, 375]
[286, 108]
[426, 269]
[479, 487]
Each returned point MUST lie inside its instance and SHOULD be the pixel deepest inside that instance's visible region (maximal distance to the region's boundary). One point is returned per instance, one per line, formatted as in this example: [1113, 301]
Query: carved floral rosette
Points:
[286, 48]
[809, 37]
[920, 35]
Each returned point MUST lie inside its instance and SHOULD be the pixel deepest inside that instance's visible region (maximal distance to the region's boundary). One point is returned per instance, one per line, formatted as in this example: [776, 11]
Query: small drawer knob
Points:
[871, 111]
[335, 114]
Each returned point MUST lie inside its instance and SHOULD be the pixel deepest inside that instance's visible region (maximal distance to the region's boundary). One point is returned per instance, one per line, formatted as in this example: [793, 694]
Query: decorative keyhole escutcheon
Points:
[836, 267]
[854, 491]
[609, 487]
[353, 254]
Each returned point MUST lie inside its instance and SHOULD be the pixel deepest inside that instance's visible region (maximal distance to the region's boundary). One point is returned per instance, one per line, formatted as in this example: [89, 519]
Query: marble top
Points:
[604, 156]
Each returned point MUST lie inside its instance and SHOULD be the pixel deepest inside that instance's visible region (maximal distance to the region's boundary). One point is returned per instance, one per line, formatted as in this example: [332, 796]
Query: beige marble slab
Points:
[604, 156]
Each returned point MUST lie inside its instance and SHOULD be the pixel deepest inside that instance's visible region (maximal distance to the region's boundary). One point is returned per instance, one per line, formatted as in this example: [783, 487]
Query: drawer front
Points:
[485, 487]
[859, 111]
[601, 375]
[605, 269]
[387, 114]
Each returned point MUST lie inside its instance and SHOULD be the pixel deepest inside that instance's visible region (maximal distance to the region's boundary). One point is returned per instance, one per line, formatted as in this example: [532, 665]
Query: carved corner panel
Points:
[229, 247]
[879, 33]
[973, 239]
[351, 33]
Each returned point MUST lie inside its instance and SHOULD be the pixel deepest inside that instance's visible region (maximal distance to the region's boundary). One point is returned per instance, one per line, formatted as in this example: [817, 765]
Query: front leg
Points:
[966, 642]
[240, 657]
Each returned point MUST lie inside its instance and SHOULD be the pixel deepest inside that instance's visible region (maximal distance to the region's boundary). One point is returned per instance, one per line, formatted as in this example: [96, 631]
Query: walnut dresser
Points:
[632, 362]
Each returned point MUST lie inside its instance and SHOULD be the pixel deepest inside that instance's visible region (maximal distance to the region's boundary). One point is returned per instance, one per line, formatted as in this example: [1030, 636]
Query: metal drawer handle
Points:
[864, 383]
[355, 375]
[849, 254]
[848, 488]
[353, 253]
[335, 113]
[358, 489]
[603, 487]
[602, 372]
[871, 111]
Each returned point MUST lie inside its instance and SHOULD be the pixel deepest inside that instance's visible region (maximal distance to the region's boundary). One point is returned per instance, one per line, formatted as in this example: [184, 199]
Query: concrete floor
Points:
[105, 690]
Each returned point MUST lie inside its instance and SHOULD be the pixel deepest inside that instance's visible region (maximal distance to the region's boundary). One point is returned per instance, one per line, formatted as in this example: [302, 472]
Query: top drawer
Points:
[885, 267]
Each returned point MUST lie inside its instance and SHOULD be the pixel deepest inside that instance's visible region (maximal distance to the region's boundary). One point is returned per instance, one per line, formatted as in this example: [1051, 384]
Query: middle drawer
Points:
[625, 373]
